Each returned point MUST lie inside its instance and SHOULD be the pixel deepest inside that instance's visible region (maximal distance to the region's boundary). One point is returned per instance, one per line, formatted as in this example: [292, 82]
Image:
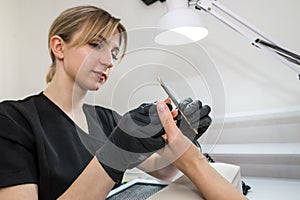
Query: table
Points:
[183, 188]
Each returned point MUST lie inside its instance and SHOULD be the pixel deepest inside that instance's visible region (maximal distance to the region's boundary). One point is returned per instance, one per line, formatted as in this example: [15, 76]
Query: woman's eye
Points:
[95, 45]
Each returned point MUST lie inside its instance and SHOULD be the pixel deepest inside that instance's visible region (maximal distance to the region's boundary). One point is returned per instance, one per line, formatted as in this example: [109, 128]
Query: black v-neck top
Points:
[40, 144]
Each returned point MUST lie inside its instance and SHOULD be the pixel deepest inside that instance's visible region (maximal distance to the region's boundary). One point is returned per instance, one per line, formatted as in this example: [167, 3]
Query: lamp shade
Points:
[180, 25]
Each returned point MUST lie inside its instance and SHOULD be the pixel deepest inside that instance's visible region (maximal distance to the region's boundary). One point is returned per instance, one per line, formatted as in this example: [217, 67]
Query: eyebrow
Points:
[102, 38]
[105, 41]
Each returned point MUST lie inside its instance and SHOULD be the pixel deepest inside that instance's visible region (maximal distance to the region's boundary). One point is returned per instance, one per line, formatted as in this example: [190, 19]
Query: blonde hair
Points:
[91, 21]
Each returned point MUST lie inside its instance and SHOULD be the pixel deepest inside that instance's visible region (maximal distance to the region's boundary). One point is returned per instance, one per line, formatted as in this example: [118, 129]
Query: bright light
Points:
[181, 35]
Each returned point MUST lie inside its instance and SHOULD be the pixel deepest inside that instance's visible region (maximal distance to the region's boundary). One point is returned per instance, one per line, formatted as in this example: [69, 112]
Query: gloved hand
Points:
[135, 138]
[197, 116]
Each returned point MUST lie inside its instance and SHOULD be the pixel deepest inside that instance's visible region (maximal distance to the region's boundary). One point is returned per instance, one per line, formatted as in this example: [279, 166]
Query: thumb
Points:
[167, 120]
[177, 143]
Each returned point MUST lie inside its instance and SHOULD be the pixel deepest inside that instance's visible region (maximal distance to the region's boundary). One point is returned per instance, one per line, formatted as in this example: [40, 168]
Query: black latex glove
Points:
[135, 138]
[197, 116]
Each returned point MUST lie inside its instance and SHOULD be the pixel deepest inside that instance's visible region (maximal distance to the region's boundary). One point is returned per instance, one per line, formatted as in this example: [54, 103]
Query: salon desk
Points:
[183, 188]
[140, 186]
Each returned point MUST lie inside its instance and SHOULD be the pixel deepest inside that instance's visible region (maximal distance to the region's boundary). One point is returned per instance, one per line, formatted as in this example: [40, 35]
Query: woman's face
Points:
[90, 65]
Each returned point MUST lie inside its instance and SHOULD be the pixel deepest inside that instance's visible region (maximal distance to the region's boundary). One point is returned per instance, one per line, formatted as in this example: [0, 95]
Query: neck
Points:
[69, 98]
[67, 95]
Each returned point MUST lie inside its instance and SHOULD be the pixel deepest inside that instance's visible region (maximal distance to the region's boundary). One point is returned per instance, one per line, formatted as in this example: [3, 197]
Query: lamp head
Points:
[180, 25]
[148, 2]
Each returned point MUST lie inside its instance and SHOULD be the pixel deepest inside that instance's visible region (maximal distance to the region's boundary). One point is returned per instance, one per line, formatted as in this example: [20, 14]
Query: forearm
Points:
[167, 173]
[211, 184]
[93, 183]
[159, 168]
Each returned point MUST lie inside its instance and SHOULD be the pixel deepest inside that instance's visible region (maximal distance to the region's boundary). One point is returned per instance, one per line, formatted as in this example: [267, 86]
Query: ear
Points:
[57, 46]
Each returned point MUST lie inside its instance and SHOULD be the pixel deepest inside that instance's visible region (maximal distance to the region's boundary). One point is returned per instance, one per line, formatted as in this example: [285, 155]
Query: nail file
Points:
[174, 100]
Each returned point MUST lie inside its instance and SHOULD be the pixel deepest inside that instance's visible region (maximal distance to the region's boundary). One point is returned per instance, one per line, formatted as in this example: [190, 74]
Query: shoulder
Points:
[20, 103]
[17, 108]
[16, 119]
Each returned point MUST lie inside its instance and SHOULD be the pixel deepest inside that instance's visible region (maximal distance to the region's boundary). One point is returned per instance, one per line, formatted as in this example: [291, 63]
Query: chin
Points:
[94, 86]
[97, 86]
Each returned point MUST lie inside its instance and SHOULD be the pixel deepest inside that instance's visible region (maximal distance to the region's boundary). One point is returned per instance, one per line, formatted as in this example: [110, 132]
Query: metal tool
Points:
[174, 100]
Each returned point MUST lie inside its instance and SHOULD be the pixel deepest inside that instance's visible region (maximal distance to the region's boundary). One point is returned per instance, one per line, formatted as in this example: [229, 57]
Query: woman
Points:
[57, 147]
[49, 139]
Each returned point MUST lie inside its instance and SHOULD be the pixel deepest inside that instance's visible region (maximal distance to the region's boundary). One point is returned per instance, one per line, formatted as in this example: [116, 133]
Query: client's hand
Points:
[135, 138]
[192, 163]
[179, 149]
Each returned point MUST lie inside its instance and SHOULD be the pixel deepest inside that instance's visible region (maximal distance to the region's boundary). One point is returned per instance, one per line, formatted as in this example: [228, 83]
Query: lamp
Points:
[170, 33]
[148, 2]
[180, 24]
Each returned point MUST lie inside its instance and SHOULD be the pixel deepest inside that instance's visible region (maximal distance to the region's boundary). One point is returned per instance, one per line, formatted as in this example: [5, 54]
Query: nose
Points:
[106, 59]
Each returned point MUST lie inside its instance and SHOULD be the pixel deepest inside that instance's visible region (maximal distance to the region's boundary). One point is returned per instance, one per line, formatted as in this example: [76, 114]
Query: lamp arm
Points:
[242, 21]
[288, 54]
[289, 58]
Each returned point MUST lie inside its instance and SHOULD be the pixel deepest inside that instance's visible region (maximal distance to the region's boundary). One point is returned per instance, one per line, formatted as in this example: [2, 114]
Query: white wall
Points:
[252, 80]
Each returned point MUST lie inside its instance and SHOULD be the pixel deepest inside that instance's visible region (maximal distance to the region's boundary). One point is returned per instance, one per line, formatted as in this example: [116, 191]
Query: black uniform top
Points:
[40, 144]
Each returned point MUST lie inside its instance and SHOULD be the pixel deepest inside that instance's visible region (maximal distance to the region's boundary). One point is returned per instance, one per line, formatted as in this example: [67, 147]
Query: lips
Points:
[101, 75]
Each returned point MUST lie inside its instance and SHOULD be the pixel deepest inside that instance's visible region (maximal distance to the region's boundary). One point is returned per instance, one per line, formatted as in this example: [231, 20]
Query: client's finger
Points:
[173, 111]
[167, 121]
[168, 100]
[177, 143]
